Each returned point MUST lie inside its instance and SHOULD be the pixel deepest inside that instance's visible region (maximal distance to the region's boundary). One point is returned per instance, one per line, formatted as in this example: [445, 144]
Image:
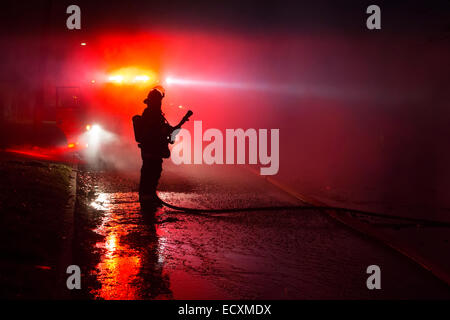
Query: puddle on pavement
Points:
[133, 263]
[129, 246]
[247, 255]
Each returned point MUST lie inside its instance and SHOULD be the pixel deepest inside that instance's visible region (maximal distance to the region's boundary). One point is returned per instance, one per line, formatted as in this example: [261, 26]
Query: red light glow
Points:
[28, 153]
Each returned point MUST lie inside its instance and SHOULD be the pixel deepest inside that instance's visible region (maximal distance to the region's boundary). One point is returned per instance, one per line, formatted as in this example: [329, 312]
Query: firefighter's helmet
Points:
[157, 92]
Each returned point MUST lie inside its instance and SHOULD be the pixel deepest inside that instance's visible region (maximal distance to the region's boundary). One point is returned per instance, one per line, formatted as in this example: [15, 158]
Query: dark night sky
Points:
[241, 16]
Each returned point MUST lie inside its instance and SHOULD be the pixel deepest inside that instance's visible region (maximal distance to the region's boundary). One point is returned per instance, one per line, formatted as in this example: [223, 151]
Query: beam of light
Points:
[94, 139]
[348, 92]
[94, 136]
[230, 85]
[290, 89]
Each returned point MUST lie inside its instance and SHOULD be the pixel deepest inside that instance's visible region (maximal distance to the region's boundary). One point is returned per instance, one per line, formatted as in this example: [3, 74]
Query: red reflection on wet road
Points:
[120, 266]
[46, 154]
[241, 255]
[140, 259]
[28, 153]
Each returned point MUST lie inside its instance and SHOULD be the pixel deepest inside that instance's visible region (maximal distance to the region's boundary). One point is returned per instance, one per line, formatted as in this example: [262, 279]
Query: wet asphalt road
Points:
[276, 254]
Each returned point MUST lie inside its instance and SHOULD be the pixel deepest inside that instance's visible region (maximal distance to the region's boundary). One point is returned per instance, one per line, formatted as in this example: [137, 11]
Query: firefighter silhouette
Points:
[153, 134]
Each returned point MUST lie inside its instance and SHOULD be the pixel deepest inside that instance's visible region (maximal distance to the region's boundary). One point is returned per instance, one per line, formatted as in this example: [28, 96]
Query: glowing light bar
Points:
[117, 78]
[133, 76]
[142, 78]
